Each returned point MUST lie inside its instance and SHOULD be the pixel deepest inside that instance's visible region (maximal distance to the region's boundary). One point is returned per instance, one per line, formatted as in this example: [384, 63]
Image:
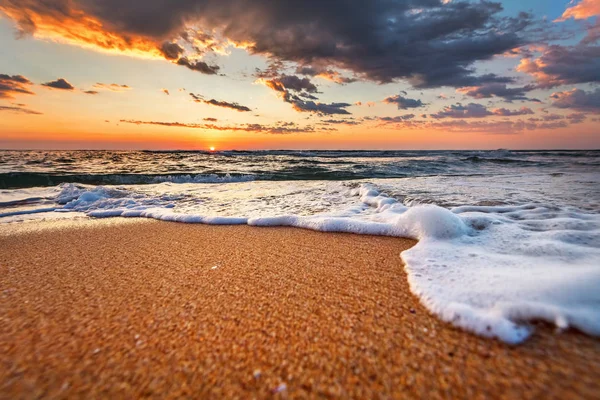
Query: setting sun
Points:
[212, 148]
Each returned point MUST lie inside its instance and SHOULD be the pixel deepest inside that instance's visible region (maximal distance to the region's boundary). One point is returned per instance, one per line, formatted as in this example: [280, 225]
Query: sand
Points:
[118, 309]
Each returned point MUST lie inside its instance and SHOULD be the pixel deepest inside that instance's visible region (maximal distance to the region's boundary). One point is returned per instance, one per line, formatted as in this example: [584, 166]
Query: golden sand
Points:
[124, 310]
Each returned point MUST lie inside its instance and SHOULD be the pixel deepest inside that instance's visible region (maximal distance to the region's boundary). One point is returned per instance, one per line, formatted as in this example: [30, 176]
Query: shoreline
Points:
[104, 308]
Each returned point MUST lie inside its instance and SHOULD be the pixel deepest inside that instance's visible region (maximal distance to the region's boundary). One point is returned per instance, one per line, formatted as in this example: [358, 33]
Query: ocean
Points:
[505, 237]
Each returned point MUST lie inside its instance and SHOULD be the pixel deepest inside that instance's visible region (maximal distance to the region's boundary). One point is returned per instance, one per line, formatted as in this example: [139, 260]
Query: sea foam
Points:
[486, 269]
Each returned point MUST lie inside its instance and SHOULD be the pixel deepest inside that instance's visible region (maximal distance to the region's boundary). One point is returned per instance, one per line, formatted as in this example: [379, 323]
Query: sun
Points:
[212, 148]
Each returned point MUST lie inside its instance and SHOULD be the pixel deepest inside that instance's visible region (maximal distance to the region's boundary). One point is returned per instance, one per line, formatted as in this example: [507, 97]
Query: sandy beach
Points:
[124, 309]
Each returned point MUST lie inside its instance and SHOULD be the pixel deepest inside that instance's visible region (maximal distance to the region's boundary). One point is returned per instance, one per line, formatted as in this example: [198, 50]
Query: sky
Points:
[299, 74]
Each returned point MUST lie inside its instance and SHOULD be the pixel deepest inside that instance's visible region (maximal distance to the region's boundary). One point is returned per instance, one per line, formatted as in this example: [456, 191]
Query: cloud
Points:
[368, 104]
[14, 85]
[165, 91]
[291, 82]
[60, 83]
[172, 51]
[281, 129]
[74, 22]
[403, 103]
[549, 117]
[397, 119]
[325, 73]
[225, 104]
[199, 66]
[497, 90]
[113, 87]
[299, 93]
[577, 99]
[90, 24]
[561, 65]
[92, 92]
[503, 112]
[471, 110]
[576, 118]
[582, 10]
[301, 105]
[504, 127]
[210, 119]
[340, 122]
[234, 106]
[430, 42]
[19, 110]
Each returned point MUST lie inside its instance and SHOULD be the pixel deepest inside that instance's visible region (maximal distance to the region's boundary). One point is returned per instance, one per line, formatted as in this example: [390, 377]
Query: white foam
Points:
[487, 269]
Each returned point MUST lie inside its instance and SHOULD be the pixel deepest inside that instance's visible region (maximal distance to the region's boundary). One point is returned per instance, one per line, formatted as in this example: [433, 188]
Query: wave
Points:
[479, 159]
[485, 269]
[44, 169]
[15, 180]
[31, 179]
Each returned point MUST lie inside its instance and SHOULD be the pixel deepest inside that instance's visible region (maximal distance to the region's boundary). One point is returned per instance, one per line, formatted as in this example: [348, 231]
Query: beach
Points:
[141, 308]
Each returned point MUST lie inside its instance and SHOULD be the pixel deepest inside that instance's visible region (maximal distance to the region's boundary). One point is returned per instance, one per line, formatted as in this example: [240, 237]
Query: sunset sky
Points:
[312, 74]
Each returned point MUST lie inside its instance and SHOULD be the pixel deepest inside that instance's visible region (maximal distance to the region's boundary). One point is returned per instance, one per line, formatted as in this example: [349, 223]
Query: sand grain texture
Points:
[155, 309]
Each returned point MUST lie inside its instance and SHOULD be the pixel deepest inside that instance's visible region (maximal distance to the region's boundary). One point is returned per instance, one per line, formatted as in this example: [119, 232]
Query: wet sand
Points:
[123, 309]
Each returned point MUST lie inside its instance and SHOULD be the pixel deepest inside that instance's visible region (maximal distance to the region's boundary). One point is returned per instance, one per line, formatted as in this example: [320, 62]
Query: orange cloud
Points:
[74, 27]
[335, 76]
[279, 129]
[14, 85]
[583, 10]
[113, 87]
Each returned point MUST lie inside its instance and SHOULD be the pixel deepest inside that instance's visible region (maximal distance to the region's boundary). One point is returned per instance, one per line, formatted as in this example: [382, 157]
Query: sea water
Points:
[505, 237]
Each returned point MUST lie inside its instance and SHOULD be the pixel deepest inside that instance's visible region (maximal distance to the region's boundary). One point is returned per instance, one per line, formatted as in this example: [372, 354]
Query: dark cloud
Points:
[400, 118]
[225, 104]
[404, 103]
[172, 51]
[14, 85]
[498, 90]
[302, 105]
[577, 99]
[471, 110]
[199, 66]
[93, 92]
[428, 42]
[19, 110]
[234, 106]
[165, 91]
[60, 83]
[297, 91]
[423, 82]
[561, 65]
[291, 82]
[210, 119]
